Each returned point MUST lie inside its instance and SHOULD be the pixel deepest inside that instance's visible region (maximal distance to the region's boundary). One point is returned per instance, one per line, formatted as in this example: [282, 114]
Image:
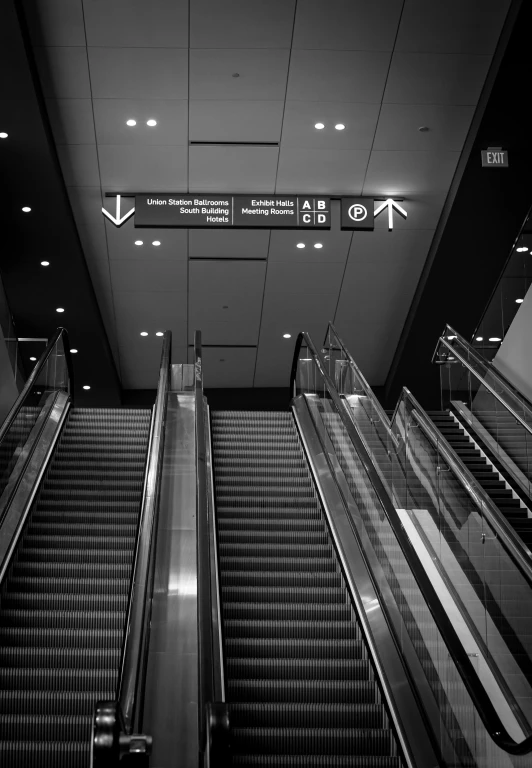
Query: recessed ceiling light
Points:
[33, 359]
[300, 245]
[139, 242]
[479, 338]
[86, 386]
[318, 245]
[159, 333]
[521, 249]
[235, 74]
[151, 122]
[493, 338]
[222, 359]
[59, 309]
[339, 126]
[156, 242]
[3, 135]
[45, 263]
[423, 128]
[26, 209]
[73, 351]
[287, 335]
[131, 122]
[519, 301]
[144, 333]
[319, 126]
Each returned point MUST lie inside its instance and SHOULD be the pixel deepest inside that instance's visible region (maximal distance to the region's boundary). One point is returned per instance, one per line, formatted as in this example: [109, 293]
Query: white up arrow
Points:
[390, 204]
[116, 219]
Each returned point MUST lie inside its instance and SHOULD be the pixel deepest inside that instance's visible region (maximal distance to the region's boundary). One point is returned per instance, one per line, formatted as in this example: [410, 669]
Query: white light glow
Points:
[287, 335]
[139, 242]
[3, 135]
[73, 351]
[86, 386]
[494, 338]
[144, 333]
[300, 245]
[26, 209]
[522, 249]
[479, 338]
[151, 122]
[33, 359]
[519, 301]
[451, 337]
[339, 126]
[59, 309]
[159, 333]
[319, 126]
[318, 245]
[131, 122]
[45, 263]
[156, 242]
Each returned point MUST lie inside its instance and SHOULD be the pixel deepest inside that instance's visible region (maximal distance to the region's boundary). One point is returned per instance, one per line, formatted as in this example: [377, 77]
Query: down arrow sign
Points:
[116, 219]
[390, 204]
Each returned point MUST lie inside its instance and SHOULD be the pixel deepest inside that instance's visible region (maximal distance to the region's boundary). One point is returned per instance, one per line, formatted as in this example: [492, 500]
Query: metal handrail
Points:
[117, 723]
[19, 402]
[457, 652]
[213, 712]
[492, 372]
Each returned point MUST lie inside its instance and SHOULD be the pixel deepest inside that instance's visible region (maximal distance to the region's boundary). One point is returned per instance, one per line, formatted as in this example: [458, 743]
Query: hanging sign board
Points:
[357, 213]
[494, 157]
[243, 211]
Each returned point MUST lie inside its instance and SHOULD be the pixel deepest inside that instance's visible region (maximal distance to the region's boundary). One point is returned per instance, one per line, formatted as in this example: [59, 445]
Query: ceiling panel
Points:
[353, 76]
[228, 367]
[111, 115]
[93, 241]
[241, 23]
[308, 277]
[121, 240]
[222, 333]
[325, 171]
[261, 74]
[144, 275]
[229, 306]
[232, 169]
[243, 121]
[71, 120]
[451, 27]
[79, 163]
[274, 363]
[400, 173]
[224, 276]
[292, 312]
[63, 72]
[136, 23]
[435, 78]
[399, 126]
[140, 360]
[151, 311]
[228, 243]
[352, 25]
[300, 117]
[129, 168]
[138, 73]
[55, 22]
[86, 205]
[335, 246]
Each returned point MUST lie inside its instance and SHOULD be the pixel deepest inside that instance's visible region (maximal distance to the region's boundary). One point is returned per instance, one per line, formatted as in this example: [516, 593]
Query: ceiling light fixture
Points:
[86, 386]
[156, 242]
[139, 242]
[73, 351]
[451, 337]
[235, 74]
[131, 123]
[59, 309]
[318, 245]
[151, 122]
[300, 245]
[45, 263]
[521, 249]
[319, 126]
[159, 333]
[26, 209]
[519, 301]
[423, 128]
[3, 135]
[339, 126]
[479, 338]
[144, 333]
[494, 338]
[287, 335]
[33, 359]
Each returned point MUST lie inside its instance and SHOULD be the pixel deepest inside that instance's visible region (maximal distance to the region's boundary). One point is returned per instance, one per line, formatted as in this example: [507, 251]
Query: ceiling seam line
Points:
[285, 97]
[119, 361]
[383, 94]
[343, 278]
[187, 325]
[261, 309]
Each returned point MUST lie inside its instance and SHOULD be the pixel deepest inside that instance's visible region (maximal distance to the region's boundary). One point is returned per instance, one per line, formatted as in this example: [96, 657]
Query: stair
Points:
[300, 684]
[64, 598]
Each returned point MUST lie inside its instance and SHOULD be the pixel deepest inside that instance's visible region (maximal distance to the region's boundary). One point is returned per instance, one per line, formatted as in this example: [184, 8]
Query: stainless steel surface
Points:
[28, 472]
[343, 519]
[130, 686]
[181, 377]
[171, 694]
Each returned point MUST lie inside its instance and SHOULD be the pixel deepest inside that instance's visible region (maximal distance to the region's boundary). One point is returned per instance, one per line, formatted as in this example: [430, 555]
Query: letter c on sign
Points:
[306, 218]
[357, 212]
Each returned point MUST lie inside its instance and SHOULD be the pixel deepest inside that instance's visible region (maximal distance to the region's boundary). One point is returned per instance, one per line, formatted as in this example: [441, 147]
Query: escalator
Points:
[300, 683]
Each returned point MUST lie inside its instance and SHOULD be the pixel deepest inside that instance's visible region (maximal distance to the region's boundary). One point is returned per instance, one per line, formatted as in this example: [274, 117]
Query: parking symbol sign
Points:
[357, 213]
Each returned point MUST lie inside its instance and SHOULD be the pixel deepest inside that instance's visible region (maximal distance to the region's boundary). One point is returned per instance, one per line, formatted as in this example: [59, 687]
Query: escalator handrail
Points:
[133, 658]
[19, 402]
[489, 370]
[458, 654]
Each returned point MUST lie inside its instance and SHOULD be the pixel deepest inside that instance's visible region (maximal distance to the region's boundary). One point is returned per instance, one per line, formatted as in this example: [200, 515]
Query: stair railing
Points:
[117, 726]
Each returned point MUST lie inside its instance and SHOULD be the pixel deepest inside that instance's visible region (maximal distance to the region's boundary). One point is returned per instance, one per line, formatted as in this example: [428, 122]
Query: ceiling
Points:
[384, 69]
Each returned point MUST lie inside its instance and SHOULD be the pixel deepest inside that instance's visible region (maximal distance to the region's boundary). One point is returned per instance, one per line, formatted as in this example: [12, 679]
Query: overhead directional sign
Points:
[390, 205]
[357, 213]
[244, 211]
[117, 219]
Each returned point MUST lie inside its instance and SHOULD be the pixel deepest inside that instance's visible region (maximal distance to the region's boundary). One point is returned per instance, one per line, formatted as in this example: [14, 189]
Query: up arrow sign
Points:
[390, 204]
[116, 219]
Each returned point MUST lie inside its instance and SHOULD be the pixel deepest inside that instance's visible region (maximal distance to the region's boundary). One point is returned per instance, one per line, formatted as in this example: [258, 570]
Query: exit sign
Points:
[494, 157]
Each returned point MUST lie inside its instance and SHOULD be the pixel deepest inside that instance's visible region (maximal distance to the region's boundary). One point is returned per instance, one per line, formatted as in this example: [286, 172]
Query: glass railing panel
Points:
[462, 737]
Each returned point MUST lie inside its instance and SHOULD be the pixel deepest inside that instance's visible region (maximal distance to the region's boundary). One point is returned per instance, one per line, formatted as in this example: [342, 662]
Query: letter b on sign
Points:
[357, 213]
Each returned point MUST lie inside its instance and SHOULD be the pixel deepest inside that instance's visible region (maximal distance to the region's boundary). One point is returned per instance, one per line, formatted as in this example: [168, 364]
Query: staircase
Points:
[300, 685]
[64, 598]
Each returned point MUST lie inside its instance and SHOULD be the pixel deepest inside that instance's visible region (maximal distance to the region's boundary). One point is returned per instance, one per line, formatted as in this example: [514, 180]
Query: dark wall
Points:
[489, 208]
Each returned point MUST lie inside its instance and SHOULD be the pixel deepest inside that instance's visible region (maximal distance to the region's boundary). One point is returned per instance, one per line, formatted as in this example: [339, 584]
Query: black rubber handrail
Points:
[19, 402]
[117, 724]
[476, 691]
[213, 712]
